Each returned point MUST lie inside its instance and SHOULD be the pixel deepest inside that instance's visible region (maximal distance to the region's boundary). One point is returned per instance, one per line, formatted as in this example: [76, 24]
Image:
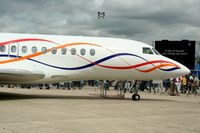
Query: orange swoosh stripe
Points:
[25, 40]
[156, 67]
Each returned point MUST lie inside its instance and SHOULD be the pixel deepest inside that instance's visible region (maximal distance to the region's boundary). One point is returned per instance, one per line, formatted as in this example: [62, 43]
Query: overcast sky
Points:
[142, 20]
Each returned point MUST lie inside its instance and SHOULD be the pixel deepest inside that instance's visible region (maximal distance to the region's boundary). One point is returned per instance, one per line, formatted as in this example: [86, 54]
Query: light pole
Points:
[198, 59]
[198, 54]
[101, 15]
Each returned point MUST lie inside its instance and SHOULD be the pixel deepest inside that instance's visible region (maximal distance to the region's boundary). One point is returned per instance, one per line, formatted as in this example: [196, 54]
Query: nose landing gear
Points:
[134, 89]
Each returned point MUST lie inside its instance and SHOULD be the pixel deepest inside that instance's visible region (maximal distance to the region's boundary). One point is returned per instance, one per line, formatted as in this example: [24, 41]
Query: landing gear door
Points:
[13, 50]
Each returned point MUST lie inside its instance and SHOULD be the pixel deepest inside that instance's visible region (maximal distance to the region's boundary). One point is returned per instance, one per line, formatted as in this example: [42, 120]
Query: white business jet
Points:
[34, 59]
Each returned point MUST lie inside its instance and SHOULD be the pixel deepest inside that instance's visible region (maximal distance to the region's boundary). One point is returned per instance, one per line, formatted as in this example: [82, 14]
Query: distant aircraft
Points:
[32, 58]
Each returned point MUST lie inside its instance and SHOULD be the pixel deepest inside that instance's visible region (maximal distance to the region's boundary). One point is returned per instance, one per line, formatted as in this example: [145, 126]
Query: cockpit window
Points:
[155, 51]
[147, 50]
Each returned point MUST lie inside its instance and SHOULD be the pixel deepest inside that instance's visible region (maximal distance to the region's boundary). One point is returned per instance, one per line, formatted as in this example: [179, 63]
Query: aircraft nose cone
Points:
[184, 70]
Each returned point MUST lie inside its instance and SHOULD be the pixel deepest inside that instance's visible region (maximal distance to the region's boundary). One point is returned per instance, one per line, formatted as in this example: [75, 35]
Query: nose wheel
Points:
[135, 97]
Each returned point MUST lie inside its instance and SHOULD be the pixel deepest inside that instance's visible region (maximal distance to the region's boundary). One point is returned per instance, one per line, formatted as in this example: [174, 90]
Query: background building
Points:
[183, 51]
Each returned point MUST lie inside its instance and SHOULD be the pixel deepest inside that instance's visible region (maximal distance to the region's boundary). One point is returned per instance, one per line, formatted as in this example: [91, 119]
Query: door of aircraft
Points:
[13, 49]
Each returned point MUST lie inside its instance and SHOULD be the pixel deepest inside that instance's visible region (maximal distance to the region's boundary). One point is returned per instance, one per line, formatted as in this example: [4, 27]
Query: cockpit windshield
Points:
[155, 51]
[147, 50]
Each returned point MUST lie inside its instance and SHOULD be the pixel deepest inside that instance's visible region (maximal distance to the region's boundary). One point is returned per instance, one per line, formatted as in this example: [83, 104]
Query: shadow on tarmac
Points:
[16, 96]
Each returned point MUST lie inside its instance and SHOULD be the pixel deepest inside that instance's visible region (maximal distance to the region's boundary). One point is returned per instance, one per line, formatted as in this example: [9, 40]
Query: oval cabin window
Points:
[73, 51]
[92, 52]
[34, 49]
[63, 51]
[54, 50]
[82, 51]
[2, 48]
[44, 49]
[24, 49]
[13, 49]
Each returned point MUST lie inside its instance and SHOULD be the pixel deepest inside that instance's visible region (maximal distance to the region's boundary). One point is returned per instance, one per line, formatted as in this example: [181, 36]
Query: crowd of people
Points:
[176, 86]
[187, 84]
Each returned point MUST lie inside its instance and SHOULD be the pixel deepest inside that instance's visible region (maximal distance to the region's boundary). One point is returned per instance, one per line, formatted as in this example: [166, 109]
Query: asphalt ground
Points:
[85, 111]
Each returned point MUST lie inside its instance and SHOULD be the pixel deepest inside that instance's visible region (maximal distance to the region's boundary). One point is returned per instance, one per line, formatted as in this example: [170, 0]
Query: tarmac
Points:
[84, 111]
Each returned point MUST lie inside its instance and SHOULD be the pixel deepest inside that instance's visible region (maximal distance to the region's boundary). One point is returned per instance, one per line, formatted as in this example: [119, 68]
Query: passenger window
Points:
[92, 52]
[82, 51]
[34, 49]
[73, 51]
[54, 50]
[24, 49]
[2, 48]
[44, 50]
[147, 51]
[63, 51]
[13, 49]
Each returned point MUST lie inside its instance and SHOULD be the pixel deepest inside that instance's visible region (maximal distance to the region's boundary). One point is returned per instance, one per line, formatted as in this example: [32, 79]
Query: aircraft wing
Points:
[18, 75]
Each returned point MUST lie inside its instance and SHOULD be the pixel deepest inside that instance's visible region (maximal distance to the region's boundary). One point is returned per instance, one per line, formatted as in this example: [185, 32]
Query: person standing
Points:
[194, 85]
[172, 86]
[189, 84]
[178, 84]
[166, 84]
[183, 84]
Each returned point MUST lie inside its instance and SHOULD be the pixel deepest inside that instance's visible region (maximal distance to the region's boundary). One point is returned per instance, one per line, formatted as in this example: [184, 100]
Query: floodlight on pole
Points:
[101, 15]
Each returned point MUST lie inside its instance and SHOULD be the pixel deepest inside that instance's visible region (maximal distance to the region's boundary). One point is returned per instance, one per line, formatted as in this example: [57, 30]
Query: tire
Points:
[135, 97]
